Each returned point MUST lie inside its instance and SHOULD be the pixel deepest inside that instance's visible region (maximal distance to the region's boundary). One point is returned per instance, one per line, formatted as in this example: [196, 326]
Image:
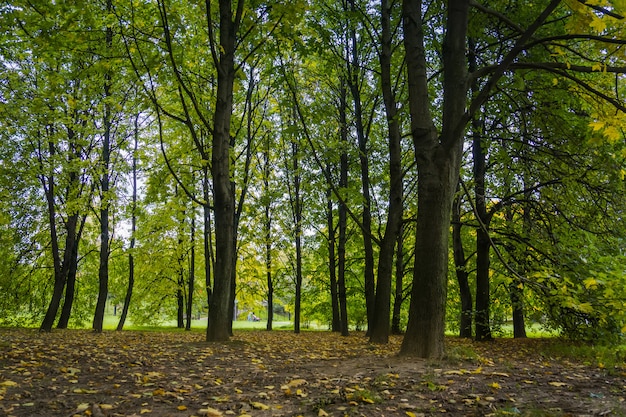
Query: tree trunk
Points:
[296, 207]
[207, 236]
[59, 278]
[438, 161]
[133, 231]
[103, 270]
[516, 292]
[462, 275]
[192, 271]
[483, 244]
[354, 70]
[267, 233]
[380, 320]
[332, 262]
[72, 268]
[220, 314]
[398, 295]
[343, 217]
[426, 326]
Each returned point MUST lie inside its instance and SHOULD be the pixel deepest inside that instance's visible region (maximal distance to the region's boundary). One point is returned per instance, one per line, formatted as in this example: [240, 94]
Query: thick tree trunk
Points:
[426, 326]
[438, 159]
[462, 275]
[220, 313]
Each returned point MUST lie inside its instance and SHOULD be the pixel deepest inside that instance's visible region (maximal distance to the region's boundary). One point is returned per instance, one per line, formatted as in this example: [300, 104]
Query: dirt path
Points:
[79, 373]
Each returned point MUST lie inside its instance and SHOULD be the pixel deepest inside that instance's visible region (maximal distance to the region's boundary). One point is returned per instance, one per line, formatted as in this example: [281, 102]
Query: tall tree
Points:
[438, 157]
[105, 198]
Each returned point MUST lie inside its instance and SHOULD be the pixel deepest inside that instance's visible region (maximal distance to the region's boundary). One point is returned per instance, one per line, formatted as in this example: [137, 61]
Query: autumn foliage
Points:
[79, 373]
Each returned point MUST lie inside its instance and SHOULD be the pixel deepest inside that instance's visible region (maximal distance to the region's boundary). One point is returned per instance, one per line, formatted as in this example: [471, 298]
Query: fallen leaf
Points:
[210, 412]
[259, 406]
[557, 384]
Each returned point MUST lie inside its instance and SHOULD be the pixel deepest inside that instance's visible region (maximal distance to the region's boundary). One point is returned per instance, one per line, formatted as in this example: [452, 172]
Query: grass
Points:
[110, 323]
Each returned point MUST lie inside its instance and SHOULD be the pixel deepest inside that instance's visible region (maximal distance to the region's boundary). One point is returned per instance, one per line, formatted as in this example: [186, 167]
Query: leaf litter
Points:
[132, 373]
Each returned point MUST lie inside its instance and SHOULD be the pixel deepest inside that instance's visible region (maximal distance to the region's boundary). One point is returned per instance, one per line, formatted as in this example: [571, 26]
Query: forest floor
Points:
[134, 373]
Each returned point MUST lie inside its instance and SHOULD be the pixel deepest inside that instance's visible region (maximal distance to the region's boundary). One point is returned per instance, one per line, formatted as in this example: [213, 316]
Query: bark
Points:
[192, 272]
[103, 270]
[133, 231]
[343, 217]
[426, 326]
[296, 207]
[516, 292]
[483, 244]
[332, 260]
[438, 160]
[207, 234]
[72, 269]
[48, 183]
[267, 229]
[398, 294]
[462, 275]
[382, 303]
[220, 313]
[362, 139]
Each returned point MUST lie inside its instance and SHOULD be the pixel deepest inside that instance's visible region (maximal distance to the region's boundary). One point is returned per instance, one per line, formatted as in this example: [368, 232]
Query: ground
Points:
[155, 374]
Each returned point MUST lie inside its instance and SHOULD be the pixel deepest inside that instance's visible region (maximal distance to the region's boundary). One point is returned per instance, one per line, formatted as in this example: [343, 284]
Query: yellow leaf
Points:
[82, 407]
[8, 383]
[367, 400]
[612, 133]
[296, 382]
[106, 406]
[494, 385]
[210, 412]
[597, 125]
[590, 282]
[145, 411]
[259, 406]
[453, 372]
[322, 413]
[410, 414]
[596, 67]
[557, 384]
[597, 24]
[181, 408]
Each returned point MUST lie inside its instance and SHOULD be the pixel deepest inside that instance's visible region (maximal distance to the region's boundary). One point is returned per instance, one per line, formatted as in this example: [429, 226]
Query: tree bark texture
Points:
[438, 159]
[220, 313]
[462, 275]
[382, 304]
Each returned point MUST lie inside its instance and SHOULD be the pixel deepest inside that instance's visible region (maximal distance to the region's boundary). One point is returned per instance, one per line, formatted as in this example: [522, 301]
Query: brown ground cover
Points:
[80, 373]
